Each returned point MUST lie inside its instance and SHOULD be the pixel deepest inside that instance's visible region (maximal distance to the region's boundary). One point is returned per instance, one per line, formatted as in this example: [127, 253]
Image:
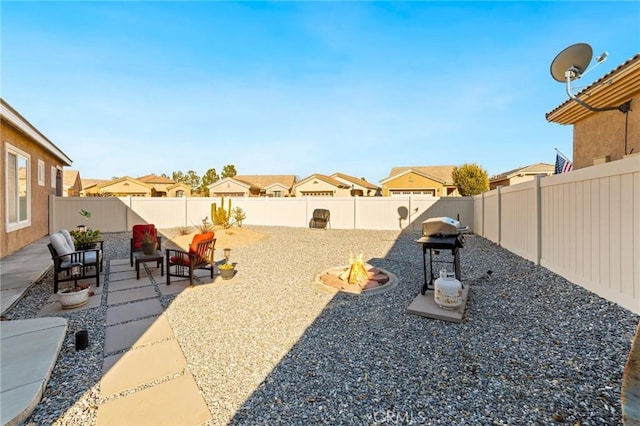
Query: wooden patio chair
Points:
[181, 263]
[138, 233]
[65, 257]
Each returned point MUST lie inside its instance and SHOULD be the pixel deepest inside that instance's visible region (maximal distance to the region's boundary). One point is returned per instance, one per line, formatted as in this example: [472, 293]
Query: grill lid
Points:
[441, 226]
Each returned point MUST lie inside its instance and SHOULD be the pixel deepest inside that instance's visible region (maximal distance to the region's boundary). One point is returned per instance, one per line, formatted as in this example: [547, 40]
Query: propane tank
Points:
[447, 290]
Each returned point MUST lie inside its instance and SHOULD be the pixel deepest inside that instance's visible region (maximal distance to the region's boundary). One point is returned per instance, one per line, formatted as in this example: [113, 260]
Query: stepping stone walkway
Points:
[144, 377]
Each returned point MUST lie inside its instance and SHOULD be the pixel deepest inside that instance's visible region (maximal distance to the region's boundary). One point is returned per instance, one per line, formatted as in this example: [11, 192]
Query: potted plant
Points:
[85, 238]
[149, 243]
[227, 270]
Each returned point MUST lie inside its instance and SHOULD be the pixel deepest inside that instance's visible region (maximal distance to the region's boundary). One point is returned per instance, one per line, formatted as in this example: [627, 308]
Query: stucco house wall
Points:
[314, 186]
[412, 182]
[603, 134]
[229, 187]
[50, 165]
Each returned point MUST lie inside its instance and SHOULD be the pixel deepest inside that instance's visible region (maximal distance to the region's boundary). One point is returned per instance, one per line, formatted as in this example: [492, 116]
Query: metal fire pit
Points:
[440, 233]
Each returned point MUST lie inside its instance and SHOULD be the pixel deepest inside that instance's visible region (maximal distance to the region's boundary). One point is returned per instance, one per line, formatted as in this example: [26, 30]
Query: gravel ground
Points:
[268, 347]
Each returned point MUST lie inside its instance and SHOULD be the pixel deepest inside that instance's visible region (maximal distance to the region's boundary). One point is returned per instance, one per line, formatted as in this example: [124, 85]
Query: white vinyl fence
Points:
[583, 225]
[386, 213]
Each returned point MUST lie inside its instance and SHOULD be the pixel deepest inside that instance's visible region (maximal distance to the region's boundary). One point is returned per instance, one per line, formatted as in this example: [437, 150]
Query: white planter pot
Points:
[73, 299]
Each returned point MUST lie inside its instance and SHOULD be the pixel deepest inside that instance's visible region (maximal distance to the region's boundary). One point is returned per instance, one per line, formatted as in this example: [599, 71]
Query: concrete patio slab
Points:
[128, 284]
[53, 305]
[133, 311]
[29, 350]
[138, 293]
[177, 286]
[143, 365]
[129, 274]
[425, 305]
[177, 401]
[137, 333]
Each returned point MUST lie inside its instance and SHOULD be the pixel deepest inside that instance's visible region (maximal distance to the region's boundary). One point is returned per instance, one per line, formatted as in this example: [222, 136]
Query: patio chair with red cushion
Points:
[137, 236]
[181, 263]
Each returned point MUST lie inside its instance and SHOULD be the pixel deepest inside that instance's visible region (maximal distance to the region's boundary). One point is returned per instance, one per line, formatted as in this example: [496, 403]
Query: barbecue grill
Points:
[440, 233]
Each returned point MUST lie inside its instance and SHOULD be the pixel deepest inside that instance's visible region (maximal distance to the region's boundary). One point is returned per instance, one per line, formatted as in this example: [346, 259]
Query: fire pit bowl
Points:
[379, 281]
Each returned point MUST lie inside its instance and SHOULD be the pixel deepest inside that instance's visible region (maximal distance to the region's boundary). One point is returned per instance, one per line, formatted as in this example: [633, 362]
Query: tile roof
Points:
[440, 173]
[355, 180]
[530, 169]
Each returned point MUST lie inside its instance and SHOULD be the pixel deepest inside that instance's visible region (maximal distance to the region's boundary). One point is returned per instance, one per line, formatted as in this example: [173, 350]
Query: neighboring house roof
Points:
[19, 122]
[151, 179]
[612, 89]
[441, 174]
[356, 181]
[533, 169]
[324, 178]
[265, 181]
[240, 182]
[69, 177]
[178, 185]
[90, 183]
[122, 179]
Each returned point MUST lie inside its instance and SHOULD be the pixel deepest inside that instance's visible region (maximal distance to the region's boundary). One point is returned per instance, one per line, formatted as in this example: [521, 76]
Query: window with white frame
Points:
[54, 174]
[17, 188]
[40, 172]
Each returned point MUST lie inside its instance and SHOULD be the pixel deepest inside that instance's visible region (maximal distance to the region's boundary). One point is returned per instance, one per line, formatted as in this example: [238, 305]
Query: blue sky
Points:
[131, 88]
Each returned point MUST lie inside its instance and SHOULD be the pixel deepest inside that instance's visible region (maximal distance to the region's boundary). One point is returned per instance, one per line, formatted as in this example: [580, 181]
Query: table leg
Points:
[137, 269]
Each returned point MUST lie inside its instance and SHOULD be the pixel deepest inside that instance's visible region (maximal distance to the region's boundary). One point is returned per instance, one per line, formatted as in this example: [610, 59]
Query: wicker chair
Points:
[182, 263]
[136, 240]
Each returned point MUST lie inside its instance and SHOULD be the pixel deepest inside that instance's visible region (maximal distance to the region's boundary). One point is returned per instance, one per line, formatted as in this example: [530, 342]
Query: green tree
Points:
[470, 179]
[177, 177]
[192, 179]
[208, 178]
[228, 171]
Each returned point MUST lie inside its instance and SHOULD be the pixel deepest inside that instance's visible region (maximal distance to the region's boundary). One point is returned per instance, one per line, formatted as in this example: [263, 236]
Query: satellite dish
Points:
[574, 60]
[571, 64]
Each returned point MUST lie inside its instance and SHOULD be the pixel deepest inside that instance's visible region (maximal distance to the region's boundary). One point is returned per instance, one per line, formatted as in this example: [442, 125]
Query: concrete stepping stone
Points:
[137, 333]
[143, 365]
[176, 402]
[129, 283]
[133, 311]
[130, 295]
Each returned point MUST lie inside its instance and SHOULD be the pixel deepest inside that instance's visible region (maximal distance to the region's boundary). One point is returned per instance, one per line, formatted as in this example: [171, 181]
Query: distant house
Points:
[420, 180]
[602, 136]
[89, 187]
[253, 186]
[145, 186]
[359, 187]
[32, 171]
[319, 185]
[179, 189]
[71, 183]
[121, 187]
[521, 174]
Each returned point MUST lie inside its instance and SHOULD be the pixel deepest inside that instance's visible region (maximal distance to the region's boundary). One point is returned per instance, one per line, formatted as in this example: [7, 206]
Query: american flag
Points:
[562, 164]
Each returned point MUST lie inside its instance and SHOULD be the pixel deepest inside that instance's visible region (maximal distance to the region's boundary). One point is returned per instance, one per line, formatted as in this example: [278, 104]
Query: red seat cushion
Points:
[199, 238]
[180, 260]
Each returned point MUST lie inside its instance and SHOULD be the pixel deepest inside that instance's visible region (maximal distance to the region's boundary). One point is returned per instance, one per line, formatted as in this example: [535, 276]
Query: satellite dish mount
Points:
[571, 64]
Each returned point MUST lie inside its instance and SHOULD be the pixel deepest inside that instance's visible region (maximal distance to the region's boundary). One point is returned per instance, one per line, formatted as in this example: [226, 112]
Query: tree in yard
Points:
[208, 178]
[470, 179]
[178, 177]
[228, 171]
[192, 179]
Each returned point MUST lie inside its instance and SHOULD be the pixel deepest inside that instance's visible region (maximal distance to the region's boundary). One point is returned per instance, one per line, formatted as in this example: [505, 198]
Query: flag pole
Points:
[563, 156]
